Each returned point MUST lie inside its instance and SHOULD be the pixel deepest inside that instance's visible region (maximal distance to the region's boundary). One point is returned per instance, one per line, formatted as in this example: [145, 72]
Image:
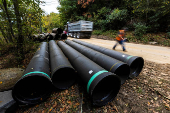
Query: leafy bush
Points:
[118, 14]
[140, 29]
[99, 19]
[117, 18]
[97, 32]
[168, 35]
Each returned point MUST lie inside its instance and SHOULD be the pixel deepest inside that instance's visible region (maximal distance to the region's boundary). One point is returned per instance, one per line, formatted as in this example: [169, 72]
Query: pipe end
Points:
[105, 88]
[64, 77]
[136, 65]
[32, 89]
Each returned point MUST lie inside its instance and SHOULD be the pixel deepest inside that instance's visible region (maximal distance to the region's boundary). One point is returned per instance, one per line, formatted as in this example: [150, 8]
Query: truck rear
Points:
[80, 29]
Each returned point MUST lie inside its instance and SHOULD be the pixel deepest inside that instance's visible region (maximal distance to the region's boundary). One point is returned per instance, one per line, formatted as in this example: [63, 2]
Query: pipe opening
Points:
[105, 90]
[136, 67]
[32, 89]
[123, 72]
[63, 78]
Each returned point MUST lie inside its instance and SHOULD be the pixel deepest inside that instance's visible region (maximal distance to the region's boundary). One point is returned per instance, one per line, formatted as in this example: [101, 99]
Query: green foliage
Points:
[168, 35]
[68, 10]
[140, 29]
[51, 21]
[118, 15]
[100, 19]
[97, 32]
[117, 18]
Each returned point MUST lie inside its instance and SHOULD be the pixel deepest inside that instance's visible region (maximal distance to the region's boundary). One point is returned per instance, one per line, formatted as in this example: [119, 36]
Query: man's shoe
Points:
[125, 50]
[113, 48]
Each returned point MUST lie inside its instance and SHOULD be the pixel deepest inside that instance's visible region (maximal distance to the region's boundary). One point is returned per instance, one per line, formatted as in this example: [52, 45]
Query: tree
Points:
[51, 21]
[20, 35]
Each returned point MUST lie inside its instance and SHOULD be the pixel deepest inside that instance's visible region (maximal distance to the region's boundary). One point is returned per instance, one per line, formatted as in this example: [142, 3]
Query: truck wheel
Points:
[72, 35]
[78, 35]
[88, 37]
[75, 35]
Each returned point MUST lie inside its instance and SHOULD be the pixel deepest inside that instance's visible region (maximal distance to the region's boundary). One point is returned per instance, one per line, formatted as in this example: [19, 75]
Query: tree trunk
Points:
[9, 21]
[3, 34]
[20, 55]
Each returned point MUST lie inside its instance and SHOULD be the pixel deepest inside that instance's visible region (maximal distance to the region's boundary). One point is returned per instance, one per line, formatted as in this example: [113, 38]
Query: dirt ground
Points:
[147, 93]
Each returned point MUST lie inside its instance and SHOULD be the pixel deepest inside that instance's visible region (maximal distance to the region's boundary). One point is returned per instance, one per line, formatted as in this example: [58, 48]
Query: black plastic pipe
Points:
[136, 63]
[63, 36]
[101, 85]
[57, 30]
[51, 36]
[62, 72]
[110, 64]
[42, 37]
[35, 85]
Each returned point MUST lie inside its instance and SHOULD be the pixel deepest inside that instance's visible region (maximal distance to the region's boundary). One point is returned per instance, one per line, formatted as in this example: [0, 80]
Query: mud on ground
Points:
[147, 93]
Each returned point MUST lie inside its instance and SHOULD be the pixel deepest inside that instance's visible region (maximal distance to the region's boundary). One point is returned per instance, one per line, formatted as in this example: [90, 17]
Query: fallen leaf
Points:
[115, 108]
[69, 102]
[1, 82]
[105, 111]
[50, 109]
[148, 103]
[61, 109]
[55, 104]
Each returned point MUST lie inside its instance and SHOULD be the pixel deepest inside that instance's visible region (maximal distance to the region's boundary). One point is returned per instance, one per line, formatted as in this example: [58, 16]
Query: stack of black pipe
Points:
[109, 63]
[101, 85]
[39, 37]
[36, 83]
[101, 70]
[57, 34]
[95, 64]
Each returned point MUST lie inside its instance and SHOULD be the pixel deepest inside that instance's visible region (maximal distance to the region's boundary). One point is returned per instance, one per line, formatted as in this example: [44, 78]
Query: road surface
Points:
[152, 53]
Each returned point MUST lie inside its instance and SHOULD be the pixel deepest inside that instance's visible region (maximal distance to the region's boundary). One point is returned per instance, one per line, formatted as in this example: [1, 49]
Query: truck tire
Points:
[75, 35]
[72, 35]
[88, 37]
[78, 35]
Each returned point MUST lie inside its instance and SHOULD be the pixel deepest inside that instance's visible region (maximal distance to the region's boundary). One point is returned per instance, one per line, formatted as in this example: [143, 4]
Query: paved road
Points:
[152, 53]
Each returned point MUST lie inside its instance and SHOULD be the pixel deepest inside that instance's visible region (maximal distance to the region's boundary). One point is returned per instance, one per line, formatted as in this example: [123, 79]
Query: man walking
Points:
[120, 39]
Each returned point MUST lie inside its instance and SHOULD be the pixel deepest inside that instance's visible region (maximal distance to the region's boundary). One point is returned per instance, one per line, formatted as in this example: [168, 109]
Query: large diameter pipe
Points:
[62, 72]
[136, 63]
[57, 30]
[110, 64]
[51, 36]
[101, 85]
[35, 85]
[63, 36]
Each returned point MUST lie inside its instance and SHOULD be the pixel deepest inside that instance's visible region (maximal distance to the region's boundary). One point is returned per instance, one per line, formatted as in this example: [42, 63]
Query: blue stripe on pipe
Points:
[93, 77]
[36, 72]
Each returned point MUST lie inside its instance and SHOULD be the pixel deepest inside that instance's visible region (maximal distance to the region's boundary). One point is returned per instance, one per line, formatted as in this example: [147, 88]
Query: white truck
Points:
[80, 29]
